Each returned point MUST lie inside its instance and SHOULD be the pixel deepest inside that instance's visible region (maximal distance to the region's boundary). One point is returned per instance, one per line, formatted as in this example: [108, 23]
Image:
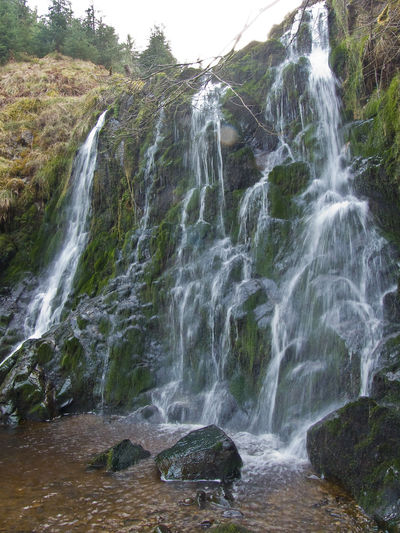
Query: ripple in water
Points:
[45, 487]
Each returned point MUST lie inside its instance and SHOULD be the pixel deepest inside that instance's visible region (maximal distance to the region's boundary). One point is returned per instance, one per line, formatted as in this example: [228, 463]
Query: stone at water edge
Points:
[119, 457]
[206, 453]
[359, 446]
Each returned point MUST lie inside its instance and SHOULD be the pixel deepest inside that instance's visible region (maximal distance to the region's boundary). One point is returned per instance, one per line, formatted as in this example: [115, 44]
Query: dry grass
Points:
[44, 106]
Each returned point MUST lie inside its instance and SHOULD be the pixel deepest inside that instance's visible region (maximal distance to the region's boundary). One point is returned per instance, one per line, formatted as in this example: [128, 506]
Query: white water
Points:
[327, 305]
[333, 292]
[148, 180]
[52, 294]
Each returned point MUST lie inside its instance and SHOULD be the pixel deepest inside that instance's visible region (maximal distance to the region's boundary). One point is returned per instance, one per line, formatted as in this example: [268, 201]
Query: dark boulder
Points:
[358, 446]
[206, 453]
[161, 528]
[119, 457]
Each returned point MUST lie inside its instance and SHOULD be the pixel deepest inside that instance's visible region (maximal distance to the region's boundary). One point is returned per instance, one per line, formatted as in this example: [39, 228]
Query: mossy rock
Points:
[358, 446]
[119, 457]
[304, 39]
[206, 453]
[286, 182]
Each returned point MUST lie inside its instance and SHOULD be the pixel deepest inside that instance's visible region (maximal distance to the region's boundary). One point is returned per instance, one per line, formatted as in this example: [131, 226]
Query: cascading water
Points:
[139, 255]
[326, 304]
[329, 319]
[52, 294]
[148, 180]
[199, 315]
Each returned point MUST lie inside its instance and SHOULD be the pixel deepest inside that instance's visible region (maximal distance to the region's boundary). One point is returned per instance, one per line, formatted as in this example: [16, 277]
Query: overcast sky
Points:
[195, 29]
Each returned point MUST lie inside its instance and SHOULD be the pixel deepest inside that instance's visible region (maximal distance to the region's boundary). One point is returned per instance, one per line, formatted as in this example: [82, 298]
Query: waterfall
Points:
[55, 287]
[329, 319]
[199, 316]
[331, 268]
[148, 180]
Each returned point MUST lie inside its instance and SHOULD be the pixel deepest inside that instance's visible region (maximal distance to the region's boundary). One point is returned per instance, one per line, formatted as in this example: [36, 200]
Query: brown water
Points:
[44, 486]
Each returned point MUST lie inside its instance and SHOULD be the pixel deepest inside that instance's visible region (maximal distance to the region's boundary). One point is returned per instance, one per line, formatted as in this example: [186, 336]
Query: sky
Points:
[195, 29]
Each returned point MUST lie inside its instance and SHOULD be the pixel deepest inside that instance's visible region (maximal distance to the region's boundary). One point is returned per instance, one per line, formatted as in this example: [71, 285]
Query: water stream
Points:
[55, 286]
[327, 312]
[45, 487]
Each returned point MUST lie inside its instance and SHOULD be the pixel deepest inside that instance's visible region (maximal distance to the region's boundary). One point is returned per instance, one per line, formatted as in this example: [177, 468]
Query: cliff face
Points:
[174, 298]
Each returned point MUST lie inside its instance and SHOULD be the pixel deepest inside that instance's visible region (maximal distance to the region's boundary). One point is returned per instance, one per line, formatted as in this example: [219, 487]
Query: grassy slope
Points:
[46, 108]
[41, 107]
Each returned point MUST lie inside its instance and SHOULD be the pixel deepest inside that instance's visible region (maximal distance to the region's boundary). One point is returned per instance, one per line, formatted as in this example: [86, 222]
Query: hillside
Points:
[46, 108]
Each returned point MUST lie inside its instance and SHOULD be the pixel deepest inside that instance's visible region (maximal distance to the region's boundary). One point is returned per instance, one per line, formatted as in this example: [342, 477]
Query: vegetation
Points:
[23, 33]
[46, 108]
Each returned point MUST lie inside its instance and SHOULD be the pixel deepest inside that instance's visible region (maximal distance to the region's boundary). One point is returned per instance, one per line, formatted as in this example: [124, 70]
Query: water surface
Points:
[44, 485]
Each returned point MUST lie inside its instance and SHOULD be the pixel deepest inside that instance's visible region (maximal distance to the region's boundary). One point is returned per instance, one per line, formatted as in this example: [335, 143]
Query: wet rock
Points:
[206, 524]
[206, 453]
[148, 413]
[161, 528]
[358, 445]
[232, 513]
[386, 385]
[119, 457]
[186, 502]
[201, 499]
[178, 412]
[220, 498]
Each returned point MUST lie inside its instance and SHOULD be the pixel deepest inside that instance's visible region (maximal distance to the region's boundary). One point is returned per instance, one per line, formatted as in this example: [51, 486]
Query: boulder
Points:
[119, 457]
[206, 453]
[358, 446]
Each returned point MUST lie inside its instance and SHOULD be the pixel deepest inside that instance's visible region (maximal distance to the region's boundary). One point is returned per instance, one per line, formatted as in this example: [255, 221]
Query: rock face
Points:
[206, 453]
[119, 457]
[358, 445]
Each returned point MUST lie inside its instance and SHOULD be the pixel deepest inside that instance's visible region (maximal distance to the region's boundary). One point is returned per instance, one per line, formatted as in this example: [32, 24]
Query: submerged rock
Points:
[119, 457]
[206, 453]
[358, 445]
[161, 528]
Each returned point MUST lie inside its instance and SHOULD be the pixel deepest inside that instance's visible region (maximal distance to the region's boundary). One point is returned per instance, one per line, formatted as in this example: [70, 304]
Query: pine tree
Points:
[158, 51]
[59, 18]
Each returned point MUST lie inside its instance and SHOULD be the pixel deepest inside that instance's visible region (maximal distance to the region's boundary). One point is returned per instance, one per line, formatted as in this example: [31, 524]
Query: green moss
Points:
[82, 322]
[44, 352]
[193, 207]
[286, 181]
[338, 60]
[128, 375]
[73, 355]
[163, 243]
[97, 264]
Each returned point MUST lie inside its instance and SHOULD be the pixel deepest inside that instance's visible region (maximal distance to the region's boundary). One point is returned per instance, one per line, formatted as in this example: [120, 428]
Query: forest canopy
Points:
[23, 33]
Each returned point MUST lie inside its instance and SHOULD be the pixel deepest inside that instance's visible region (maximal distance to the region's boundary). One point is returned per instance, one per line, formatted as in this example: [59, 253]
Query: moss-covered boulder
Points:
[358, 446]
[206, 453]
[118, 457]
